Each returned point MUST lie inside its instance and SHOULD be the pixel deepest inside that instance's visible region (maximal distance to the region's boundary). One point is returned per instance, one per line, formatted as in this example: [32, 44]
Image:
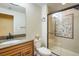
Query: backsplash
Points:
[15, 36]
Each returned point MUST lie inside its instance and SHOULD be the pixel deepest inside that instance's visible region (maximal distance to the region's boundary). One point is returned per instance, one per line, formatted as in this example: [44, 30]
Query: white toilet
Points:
[41, 51]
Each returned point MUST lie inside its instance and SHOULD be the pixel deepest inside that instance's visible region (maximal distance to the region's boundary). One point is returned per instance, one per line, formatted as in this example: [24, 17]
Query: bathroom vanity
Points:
[17, 48]
[13, 31]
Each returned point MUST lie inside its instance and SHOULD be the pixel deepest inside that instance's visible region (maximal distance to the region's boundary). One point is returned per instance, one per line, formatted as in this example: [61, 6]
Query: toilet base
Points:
[42, 51]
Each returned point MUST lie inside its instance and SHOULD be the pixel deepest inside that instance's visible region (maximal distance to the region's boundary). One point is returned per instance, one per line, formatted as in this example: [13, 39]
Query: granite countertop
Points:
[6, 43]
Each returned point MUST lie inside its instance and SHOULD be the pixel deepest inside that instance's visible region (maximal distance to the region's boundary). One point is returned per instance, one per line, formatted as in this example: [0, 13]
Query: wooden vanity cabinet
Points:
[23, 49]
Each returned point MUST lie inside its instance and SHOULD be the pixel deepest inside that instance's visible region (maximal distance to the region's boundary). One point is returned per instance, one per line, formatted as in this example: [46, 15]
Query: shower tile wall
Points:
[64, 43]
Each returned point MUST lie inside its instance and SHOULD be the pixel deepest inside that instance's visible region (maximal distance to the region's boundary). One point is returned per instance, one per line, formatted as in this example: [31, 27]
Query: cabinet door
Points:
[13, 52]
[27, 53]
[27, 50]
[16, 54]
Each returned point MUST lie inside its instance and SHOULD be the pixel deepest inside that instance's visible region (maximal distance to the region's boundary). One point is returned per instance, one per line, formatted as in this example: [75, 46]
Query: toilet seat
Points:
[44, 51]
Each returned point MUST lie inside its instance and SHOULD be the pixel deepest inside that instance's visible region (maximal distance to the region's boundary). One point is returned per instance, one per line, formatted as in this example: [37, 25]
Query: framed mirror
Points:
[12, 20]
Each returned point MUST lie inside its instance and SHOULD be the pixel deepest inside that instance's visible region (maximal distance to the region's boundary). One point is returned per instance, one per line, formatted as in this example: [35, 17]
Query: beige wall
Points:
[70, 44]
[34, 24]
[33, 20]
[44, 24]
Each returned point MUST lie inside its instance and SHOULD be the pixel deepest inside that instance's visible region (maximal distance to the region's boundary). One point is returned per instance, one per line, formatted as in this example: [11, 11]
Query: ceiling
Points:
[12, 6]
[53, 7]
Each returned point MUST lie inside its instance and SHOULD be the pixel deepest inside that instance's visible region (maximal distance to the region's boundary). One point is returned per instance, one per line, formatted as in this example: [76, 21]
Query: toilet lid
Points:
[44, 51]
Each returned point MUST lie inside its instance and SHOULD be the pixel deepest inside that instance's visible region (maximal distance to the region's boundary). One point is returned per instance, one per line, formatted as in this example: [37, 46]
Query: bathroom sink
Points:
[1, 41]
[10, 41]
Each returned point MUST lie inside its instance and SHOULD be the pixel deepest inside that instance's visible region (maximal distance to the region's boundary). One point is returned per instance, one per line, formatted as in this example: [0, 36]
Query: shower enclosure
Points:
[63, 32]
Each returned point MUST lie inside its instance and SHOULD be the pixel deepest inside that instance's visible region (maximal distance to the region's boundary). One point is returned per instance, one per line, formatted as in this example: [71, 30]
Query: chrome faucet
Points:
[9, 36]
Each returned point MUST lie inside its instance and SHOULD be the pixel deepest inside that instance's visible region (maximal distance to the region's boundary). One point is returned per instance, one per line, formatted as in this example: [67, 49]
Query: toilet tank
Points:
[37, 43]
